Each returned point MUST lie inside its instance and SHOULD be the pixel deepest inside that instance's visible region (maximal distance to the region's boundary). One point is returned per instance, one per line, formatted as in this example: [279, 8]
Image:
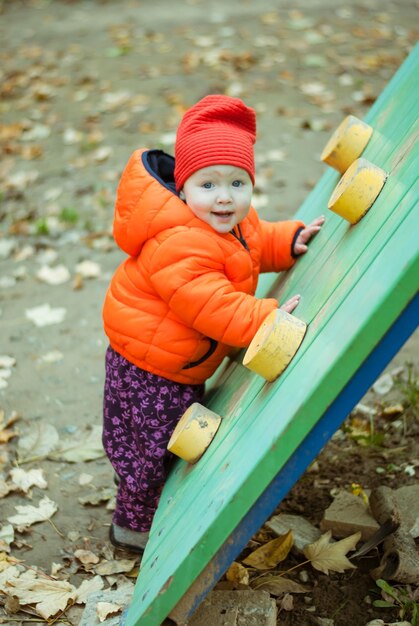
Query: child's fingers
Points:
[310, 231]
[290, 304]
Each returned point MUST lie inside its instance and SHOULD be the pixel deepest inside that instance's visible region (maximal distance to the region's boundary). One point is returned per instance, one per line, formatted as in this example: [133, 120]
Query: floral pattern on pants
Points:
[140, 412]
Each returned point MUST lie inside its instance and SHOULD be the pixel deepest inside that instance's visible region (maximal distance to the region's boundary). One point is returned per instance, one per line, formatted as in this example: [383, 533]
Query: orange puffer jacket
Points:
[184, 297]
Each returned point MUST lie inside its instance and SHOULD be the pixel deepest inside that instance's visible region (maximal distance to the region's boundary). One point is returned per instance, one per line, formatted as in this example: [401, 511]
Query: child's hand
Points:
[290, 304]
[300, 246]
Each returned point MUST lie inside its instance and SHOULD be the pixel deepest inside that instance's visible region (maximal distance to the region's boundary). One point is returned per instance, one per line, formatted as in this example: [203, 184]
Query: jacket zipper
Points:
[240, 237]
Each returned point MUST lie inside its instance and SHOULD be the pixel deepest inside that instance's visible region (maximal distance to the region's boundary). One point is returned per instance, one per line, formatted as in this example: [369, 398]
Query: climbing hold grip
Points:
[274, 344]
[194, 432]
[347, 143]
[357, 190]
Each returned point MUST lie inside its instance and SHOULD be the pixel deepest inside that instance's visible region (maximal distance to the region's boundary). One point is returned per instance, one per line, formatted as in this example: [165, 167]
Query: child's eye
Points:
[207, 185]
[237, 183]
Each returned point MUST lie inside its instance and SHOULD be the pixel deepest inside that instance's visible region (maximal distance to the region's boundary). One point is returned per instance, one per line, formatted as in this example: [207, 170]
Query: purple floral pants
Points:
[140, 412]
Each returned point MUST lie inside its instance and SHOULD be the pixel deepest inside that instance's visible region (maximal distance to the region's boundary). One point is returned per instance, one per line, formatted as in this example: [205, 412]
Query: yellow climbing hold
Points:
[194, 433]
[347, 143]
[274, 344]
[357, 190]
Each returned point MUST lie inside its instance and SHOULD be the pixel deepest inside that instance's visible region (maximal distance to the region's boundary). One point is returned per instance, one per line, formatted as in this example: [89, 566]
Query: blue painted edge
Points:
[266, 504]
[308, 450]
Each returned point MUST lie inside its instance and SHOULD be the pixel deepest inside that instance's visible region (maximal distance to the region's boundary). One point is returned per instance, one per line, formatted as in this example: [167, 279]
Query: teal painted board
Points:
[355, 281]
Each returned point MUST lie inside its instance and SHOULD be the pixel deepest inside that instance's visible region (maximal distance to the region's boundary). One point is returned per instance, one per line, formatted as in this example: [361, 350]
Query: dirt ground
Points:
[84, 83]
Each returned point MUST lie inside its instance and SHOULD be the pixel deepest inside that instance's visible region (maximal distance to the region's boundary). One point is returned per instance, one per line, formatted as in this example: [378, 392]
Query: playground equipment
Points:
[275, 344]
[347, 143]
[357, 190]
[359, 301]
[194, 432]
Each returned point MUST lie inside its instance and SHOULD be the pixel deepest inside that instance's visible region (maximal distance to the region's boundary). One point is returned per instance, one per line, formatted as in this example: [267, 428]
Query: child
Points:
[184, 297]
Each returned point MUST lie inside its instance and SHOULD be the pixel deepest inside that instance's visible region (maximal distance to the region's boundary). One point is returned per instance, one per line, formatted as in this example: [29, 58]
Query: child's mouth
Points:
[226, 215]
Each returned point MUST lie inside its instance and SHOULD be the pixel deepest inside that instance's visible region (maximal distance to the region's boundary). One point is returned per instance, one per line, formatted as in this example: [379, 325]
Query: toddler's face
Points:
[219, 195]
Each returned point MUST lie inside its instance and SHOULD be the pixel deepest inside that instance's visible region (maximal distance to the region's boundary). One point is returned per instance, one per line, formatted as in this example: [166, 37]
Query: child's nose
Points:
[224, 196]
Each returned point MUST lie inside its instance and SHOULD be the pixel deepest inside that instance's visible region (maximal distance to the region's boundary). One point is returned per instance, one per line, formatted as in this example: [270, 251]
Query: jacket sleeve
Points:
[196, 289]
[278, 240]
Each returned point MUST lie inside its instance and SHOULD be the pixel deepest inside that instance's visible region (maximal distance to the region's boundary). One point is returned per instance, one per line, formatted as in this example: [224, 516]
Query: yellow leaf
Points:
[86, 557]
[325, 556]
[6, 561]
[237, 573]
[6, 435]
[271, 553]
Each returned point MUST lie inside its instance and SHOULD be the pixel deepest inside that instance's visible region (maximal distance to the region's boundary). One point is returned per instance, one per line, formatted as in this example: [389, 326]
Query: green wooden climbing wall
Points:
[355, 282]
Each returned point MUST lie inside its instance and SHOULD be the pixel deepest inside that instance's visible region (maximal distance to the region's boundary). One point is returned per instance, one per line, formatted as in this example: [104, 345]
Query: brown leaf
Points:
[271, 553]
[325, 556]
[6, 435]
[108, 568]
[86, 557]
[237, 573]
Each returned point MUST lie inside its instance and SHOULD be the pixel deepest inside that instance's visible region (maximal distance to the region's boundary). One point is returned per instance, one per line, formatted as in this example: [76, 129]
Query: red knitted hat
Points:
[217, 130]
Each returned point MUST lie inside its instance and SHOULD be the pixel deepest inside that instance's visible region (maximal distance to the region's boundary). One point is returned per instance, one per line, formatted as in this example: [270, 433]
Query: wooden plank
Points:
[301, 458]
[209, 506]
[355, 283]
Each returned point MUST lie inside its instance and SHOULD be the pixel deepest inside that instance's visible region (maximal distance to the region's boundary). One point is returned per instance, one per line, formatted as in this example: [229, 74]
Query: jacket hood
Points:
[146, 201]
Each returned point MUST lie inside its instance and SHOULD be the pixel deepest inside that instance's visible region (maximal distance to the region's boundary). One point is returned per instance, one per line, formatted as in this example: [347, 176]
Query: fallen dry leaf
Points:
[88, 269]
[102, 154]
[6, 364]
[8, 572]
[6, 434]
[271, 553]
[237, 573]
[45, 315]
[85, 479]
[88, 449]
[6, 562]
[21, 180]
[5, 488]
[325, 556]
[104, 609]
[383, 385]
[38, 442]
[28, 515]
[7, 361]
[86, 557]
[7, 536]
[287, 603]
[51, 357]
[102, 495]
[72, 136]
[25, 480]
[87, 587]
[48, 596]
[107, 568]
[53, 275]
